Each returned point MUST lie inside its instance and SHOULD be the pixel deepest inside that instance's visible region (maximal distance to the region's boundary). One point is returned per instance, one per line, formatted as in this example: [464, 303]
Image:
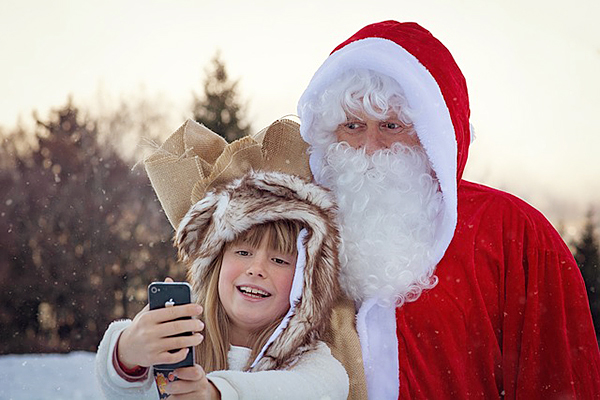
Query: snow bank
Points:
[48, 376]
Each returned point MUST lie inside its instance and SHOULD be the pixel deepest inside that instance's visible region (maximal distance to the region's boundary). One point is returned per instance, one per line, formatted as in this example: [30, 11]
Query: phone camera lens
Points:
[154, 289]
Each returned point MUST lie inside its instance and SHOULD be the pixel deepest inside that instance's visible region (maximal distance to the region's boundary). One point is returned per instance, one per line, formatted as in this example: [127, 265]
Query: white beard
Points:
[388, 204]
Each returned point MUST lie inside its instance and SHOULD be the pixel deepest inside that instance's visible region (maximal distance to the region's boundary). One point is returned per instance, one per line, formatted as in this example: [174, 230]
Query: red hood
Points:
[434, 87]
[436, 58]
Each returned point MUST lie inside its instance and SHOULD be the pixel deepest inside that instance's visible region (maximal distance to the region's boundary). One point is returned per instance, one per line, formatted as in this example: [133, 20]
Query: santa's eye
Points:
[351, 126]
[393, 126]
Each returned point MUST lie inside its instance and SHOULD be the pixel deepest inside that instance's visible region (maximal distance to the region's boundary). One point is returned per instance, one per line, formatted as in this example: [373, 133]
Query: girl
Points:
[262, 258]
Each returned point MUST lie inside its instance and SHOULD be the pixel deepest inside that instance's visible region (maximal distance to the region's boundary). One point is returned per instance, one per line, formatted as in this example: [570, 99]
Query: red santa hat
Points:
[434, 87]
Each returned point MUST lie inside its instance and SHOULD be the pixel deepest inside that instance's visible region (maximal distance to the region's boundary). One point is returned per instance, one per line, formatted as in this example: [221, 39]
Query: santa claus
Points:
[460, 290]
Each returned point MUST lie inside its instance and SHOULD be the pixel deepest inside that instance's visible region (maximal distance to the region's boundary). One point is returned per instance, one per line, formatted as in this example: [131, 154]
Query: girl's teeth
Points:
[254, 291]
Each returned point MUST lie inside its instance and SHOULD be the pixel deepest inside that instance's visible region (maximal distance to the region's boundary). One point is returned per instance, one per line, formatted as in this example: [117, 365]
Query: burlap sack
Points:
[342, 339]
[194, 159]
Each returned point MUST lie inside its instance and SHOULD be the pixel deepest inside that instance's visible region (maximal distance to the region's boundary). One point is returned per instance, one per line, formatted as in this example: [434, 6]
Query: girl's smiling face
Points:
[254, 286]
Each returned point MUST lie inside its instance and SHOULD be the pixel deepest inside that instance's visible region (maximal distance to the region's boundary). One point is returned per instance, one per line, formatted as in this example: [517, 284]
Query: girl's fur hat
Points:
[256, 198]
[231, 187]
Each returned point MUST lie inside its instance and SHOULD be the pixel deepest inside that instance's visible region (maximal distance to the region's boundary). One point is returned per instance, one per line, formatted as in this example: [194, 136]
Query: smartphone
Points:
[168, 294]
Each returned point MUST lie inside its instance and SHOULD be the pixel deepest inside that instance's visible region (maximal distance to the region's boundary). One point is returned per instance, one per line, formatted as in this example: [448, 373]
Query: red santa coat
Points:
[509, 317]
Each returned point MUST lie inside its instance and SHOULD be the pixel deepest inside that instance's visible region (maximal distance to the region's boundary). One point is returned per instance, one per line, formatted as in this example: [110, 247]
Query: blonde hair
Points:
[212, 352]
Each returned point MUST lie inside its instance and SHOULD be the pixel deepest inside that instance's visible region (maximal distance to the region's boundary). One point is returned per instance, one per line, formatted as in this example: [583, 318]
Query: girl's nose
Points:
[256, 269]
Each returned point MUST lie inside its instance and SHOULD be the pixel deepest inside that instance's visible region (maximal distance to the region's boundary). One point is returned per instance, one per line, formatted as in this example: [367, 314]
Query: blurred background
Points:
[87, 88]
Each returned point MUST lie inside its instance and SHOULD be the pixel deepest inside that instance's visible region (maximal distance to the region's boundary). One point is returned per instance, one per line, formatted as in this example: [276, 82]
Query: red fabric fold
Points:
[509, 317]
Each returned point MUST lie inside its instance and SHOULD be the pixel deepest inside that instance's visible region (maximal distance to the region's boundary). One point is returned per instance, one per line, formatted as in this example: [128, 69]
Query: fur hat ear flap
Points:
[193, 228]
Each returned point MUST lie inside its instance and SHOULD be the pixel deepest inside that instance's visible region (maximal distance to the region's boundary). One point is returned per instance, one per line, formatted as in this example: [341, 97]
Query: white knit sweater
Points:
[318, 375]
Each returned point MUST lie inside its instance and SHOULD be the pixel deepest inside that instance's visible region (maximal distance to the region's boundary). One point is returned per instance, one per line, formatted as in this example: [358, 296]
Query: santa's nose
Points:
[372, 139]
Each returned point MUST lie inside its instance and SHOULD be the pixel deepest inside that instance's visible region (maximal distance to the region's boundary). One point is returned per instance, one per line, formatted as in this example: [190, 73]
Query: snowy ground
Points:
[48, 377]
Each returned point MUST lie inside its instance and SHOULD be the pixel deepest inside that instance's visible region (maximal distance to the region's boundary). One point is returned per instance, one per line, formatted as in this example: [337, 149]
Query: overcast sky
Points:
[532, 67]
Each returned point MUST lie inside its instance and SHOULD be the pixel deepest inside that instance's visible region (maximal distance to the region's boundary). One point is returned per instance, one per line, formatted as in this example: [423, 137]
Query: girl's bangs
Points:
[282, 235]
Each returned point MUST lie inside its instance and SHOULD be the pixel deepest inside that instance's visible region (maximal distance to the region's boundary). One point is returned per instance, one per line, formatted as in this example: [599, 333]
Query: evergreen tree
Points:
[82, 238]
[588, 258]
[219, 109]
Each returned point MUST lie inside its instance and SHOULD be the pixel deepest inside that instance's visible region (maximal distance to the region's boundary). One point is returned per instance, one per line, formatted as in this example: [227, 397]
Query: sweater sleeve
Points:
[316, 375]
[111, 383]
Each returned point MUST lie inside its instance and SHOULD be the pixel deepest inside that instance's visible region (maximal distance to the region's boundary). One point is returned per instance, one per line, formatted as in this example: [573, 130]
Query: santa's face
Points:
[389, 204]
[362, 131]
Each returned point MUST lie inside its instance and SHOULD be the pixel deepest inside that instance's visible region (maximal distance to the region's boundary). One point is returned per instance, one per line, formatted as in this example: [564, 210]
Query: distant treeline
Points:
[82, 233]
[82, 236]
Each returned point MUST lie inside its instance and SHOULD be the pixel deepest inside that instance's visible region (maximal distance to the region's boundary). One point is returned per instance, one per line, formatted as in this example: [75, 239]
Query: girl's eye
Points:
[280, 261]
[243, 253]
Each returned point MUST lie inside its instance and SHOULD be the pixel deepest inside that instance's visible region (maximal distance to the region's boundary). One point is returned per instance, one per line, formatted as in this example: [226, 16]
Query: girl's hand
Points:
[192, 385]
[146, 341]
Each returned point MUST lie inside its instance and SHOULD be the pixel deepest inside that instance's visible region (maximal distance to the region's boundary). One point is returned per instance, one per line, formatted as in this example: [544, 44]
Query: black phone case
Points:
[160, 295]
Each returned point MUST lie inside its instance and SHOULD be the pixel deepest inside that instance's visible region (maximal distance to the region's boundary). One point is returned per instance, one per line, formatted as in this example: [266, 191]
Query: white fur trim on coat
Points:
[376, 327]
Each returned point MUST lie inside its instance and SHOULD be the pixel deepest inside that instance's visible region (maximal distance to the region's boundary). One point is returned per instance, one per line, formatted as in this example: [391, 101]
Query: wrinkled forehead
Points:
[359, 112]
